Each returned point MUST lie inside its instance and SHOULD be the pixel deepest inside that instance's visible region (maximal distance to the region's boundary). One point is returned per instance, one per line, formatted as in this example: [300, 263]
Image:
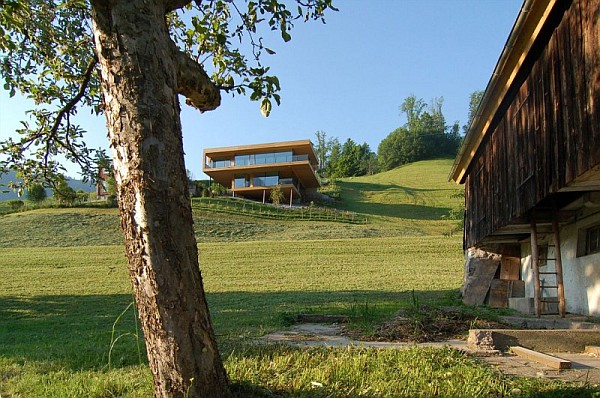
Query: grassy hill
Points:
[410, 200]
[67, 328]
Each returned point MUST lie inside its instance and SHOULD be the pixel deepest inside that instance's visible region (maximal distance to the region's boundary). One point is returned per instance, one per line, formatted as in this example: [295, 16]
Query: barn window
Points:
[588, 241]
[592, 240]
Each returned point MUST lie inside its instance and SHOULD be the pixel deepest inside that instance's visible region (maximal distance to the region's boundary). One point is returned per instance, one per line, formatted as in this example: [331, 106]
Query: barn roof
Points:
[529, 23]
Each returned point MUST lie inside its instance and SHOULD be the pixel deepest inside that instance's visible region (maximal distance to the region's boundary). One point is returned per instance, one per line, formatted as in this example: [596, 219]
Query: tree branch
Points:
[194, 83]
[69, 105]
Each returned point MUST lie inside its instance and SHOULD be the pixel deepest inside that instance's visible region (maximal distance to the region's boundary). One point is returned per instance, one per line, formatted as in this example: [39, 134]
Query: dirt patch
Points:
[424, 324]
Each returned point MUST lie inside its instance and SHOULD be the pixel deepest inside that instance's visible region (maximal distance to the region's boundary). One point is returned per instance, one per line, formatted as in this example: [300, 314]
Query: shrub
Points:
[15, 204]
[276, 195]
[36, 193]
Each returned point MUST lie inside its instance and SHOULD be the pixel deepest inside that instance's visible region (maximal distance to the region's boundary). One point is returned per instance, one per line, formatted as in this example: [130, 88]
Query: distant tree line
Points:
[425, 135]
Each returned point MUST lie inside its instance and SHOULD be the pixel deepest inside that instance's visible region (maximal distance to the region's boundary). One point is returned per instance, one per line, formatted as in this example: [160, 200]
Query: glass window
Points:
[592, 241]
[283, 157]
[271, 180]
[216, 163]
[266, 179]
[242, 160]
[241, 181]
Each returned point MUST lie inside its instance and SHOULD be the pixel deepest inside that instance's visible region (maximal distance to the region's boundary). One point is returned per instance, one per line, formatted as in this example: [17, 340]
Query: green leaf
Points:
[285, 36]
[265, 107]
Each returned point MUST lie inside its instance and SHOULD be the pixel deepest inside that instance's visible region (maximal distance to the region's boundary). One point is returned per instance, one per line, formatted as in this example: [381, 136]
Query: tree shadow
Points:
[76, 332]
[414, 206]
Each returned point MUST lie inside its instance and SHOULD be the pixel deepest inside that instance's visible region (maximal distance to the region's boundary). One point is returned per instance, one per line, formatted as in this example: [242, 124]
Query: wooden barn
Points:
[530, 163]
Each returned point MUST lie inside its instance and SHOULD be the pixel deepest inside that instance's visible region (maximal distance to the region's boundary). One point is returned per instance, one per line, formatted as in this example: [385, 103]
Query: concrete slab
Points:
[556, 340]
[584, 369]
[549, 322]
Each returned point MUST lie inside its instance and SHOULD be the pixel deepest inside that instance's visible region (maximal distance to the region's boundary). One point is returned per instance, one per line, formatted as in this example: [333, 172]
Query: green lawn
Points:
[67, 328]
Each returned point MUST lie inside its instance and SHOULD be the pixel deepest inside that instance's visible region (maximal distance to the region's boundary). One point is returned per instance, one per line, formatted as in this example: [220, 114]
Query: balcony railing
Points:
[258, 161]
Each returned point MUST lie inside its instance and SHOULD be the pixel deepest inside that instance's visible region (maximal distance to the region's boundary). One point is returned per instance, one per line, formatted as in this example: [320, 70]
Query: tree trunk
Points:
[139, 83]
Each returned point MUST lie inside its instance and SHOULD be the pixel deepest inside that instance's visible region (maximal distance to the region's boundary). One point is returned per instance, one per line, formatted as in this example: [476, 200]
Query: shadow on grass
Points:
[376, 187]
[414, 207]
[76, 331]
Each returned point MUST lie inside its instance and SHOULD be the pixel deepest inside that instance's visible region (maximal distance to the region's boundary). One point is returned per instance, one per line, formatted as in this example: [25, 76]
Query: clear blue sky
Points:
[349, 76]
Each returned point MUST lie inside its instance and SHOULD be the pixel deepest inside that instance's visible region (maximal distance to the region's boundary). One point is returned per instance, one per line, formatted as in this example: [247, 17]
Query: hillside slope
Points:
[410, 200]
[416, 191]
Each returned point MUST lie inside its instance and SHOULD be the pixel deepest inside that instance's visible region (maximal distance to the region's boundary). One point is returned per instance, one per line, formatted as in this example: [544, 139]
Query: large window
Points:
[242, 160]
[216, 163]
[241, 181]
[266, 179]
[264, 158]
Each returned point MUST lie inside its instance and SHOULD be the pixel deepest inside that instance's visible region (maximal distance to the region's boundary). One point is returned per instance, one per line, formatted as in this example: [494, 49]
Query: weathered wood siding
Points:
[546, 132]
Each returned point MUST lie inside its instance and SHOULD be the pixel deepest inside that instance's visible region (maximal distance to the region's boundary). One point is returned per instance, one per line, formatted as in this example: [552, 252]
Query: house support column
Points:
[535, 260]
[291, 196]
[264, 195]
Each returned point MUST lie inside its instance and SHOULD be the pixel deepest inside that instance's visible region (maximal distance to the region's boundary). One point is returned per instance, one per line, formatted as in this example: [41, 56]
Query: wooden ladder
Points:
[554, 268]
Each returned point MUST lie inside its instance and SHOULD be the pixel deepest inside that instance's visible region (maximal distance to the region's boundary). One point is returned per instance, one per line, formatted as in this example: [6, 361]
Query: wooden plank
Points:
[509, 268]
[544, 359]
[478, 284]
[499, 292]
[536, 269]
[590, 13]
[592, 349]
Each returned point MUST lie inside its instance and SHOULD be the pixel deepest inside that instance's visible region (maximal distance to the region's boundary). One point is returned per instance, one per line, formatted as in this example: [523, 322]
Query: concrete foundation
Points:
[557, 340]
[524, 305]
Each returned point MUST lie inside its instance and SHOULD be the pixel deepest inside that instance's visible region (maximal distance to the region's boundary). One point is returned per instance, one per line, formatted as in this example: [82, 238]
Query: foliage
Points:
[64, 194]
[474, 101]
[217, 189]
[276, 195]
[350, 160]
[424, 136]
[49, 56]
[15, 204]
[322, 149]
[36, 193]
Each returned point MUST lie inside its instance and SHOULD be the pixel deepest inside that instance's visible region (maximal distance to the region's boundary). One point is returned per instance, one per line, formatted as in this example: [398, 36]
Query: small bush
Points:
[36, 193]
[15, 204]
[276, 195]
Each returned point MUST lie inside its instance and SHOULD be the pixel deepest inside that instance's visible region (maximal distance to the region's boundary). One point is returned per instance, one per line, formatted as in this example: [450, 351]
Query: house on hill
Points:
[530, 163]
[252, 171]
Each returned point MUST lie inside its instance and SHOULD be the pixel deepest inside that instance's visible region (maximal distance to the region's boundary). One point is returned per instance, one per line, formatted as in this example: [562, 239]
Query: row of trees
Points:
[425, 135]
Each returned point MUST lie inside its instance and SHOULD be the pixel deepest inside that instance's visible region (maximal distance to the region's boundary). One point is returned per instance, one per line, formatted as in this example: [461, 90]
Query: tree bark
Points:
[140, 89]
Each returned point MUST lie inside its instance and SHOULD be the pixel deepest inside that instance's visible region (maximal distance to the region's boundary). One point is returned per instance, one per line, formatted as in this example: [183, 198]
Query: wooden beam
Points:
[544, 359]
[535, 258]
[592, 349]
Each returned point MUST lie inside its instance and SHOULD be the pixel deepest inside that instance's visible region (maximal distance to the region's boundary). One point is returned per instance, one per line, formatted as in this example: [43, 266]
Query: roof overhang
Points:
[529, 23]
[300, 147]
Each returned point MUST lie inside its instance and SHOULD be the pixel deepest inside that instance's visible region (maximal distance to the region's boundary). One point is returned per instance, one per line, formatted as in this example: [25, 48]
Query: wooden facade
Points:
[541, 147]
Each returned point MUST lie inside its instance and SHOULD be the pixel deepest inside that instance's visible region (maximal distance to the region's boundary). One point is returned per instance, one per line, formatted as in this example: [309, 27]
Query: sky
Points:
[347, 77]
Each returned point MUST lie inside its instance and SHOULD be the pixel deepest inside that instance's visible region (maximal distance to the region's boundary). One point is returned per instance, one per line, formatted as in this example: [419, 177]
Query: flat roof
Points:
[301, 147]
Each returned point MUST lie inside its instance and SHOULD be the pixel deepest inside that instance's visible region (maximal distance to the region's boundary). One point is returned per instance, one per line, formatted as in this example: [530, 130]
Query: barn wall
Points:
[546, 131]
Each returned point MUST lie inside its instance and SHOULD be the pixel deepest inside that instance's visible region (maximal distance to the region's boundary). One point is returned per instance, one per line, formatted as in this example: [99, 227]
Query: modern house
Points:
[251, 171]
[530, 163]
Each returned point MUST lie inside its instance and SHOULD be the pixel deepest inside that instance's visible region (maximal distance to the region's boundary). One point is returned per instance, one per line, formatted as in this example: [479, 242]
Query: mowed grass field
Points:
[67, 328]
